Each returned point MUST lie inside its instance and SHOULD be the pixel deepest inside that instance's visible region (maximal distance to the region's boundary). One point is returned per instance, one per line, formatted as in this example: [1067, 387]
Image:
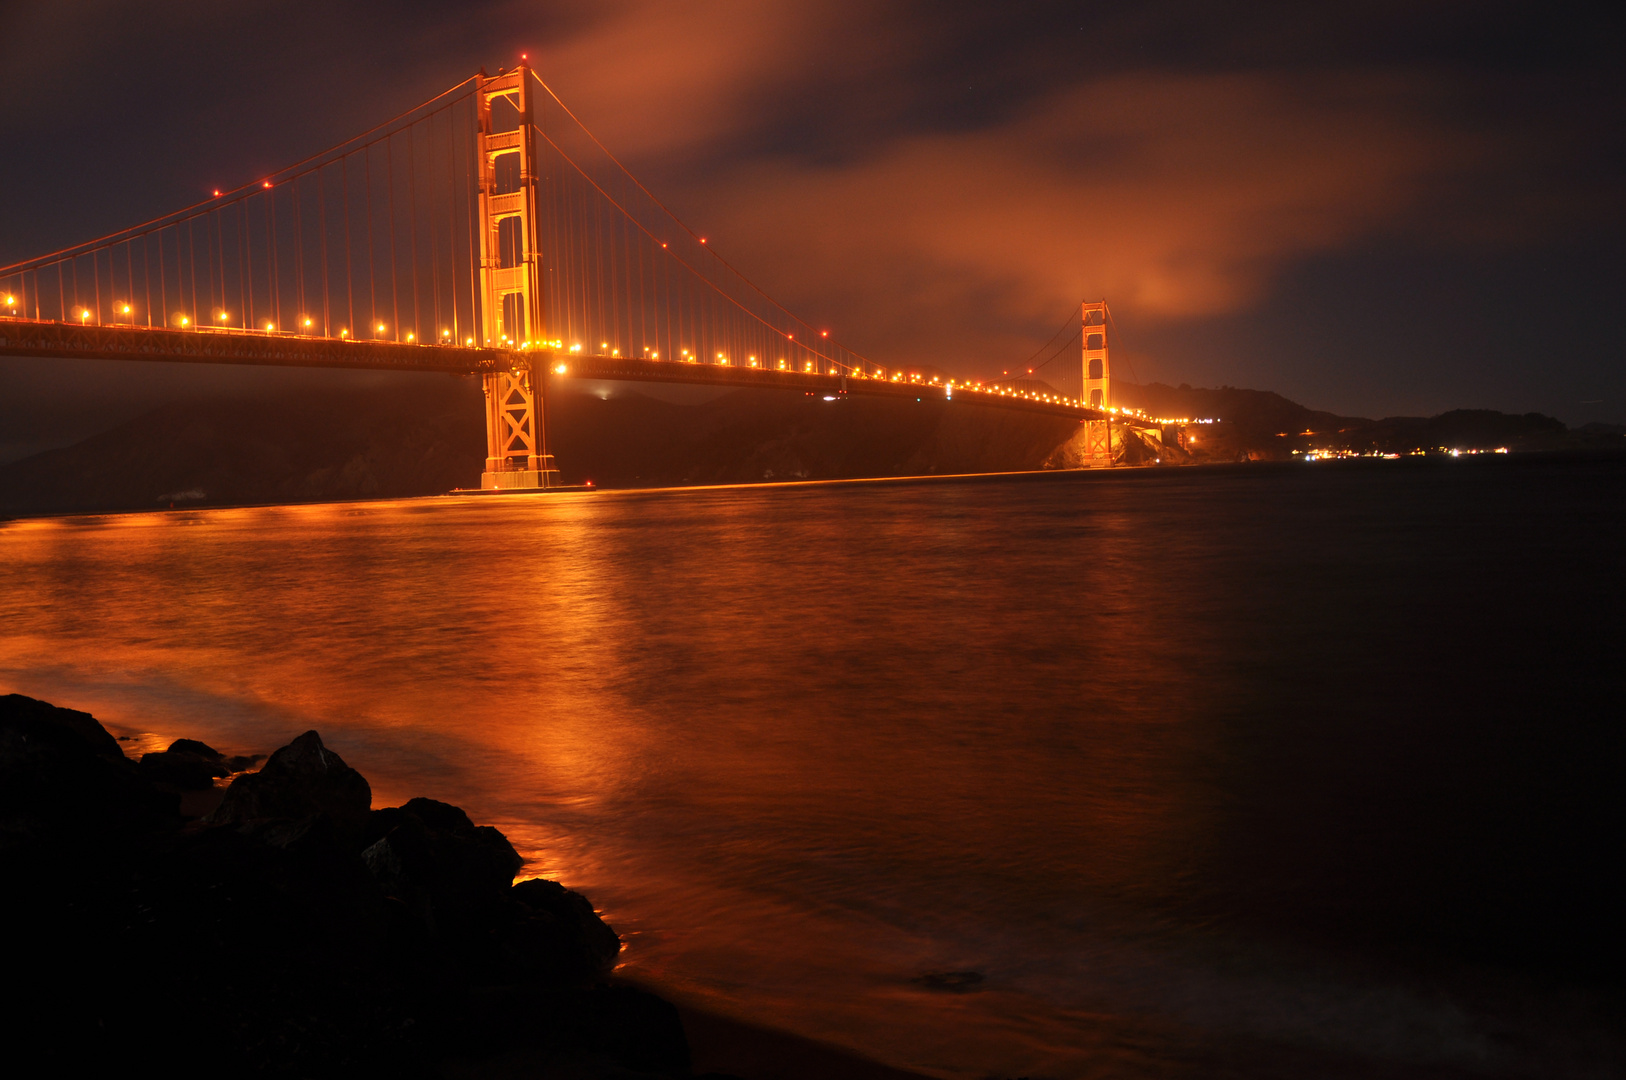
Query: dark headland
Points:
[423, 436]
[158, 921]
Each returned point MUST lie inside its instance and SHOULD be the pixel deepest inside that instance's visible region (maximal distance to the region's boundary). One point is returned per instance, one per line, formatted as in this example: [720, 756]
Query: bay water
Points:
[1268, 770]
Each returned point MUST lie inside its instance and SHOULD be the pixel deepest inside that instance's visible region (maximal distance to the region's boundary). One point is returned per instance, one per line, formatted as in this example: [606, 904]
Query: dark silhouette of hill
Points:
[392, 441]
[427, 437]
[1258, 424]
[746, 436]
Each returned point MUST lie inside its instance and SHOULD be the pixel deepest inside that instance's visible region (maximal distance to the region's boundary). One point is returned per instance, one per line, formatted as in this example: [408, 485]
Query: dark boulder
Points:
[188, 765]
[66, 789]
[442, 866]
[559, 932]
[299, 780]
[195, 748]
[455, 878]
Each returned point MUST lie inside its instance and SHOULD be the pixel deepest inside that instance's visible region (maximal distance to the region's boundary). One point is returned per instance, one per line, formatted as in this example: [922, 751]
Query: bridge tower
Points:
[1097, 385]
[511, 288]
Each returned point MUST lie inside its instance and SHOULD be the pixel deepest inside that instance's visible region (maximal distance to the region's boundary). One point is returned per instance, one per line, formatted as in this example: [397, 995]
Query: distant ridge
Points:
[1263, 425]
[426, 438]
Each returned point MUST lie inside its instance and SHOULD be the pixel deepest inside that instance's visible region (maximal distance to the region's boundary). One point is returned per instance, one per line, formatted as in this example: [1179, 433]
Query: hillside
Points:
[427, 437]
[1263, 425]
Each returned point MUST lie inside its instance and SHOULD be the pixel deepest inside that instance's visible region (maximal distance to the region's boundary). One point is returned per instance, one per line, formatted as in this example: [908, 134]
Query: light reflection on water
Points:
[804, 744]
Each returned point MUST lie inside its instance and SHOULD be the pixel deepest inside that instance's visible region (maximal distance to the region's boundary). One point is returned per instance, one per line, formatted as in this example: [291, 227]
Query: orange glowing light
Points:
[217, 193]
[265, 183]
[270, 326]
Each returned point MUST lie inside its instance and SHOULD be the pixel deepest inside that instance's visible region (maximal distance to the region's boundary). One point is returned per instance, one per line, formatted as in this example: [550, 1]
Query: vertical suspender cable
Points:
[372, 272]
[273, 271]
[192, 265]
[349, 279]
[434, 232]
[389, 190]
[451, 222]
[412, 216]
[245, 266]
[163, 279]
[299, 263]
[220, 240]
[321, 232]
[475, 176]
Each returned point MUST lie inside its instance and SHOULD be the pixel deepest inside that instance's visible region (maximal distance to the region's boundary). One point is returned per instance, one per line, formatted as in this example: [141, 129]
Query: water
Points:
[1254, 771]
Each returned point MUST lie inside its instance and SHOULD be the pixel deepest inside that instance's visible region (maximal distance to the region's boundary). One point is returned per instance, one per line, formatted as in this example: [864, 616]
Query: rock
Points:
[432, 858]
[301, 779]
[559, 932]
[66, 789]
[195, 748]
[188, 765]
[301, 934]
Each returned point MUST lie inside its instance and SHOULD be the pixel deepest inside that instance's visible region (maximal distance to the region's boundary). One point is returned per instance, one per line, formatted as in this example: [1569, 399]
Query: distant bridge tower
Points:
[511, 289]
[1097, 385]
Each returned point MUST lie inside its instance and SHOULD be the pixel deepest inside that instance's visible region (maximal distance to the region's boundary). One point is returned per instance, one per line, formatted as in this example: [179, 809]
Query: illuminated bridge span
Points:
[487, 232]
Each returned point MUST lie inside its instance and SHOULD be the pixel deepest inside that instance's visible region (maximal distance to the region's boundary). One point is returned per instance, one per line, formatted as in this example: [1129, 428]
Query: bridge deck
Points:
[208, 345]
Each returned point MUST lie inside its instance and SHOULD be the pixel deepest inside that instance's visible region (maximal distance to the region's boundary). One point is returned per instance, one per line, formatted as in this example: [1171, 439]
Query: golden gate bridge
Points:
[486, 231]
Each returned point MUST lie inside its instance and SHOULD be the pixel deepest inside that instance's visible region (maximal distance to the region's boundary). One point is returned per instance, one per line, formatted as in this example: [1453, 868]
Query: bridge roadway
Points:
[210, 345]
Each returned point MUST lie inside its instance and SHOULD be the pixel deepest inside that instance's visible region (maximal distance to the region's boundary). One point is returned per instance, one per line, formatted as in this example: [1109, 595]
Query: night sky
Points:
[1391, 208]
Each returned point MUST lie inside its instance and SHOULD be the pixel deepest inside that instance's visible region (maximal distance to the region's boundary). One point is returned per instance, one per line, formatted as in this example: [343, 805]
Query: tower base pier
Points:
[546, 476]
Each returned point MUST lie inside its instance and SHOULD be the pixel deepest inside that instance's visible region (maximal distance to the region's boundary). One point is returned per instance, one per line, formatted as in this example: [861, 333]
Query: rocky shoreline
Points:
[294, 930]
